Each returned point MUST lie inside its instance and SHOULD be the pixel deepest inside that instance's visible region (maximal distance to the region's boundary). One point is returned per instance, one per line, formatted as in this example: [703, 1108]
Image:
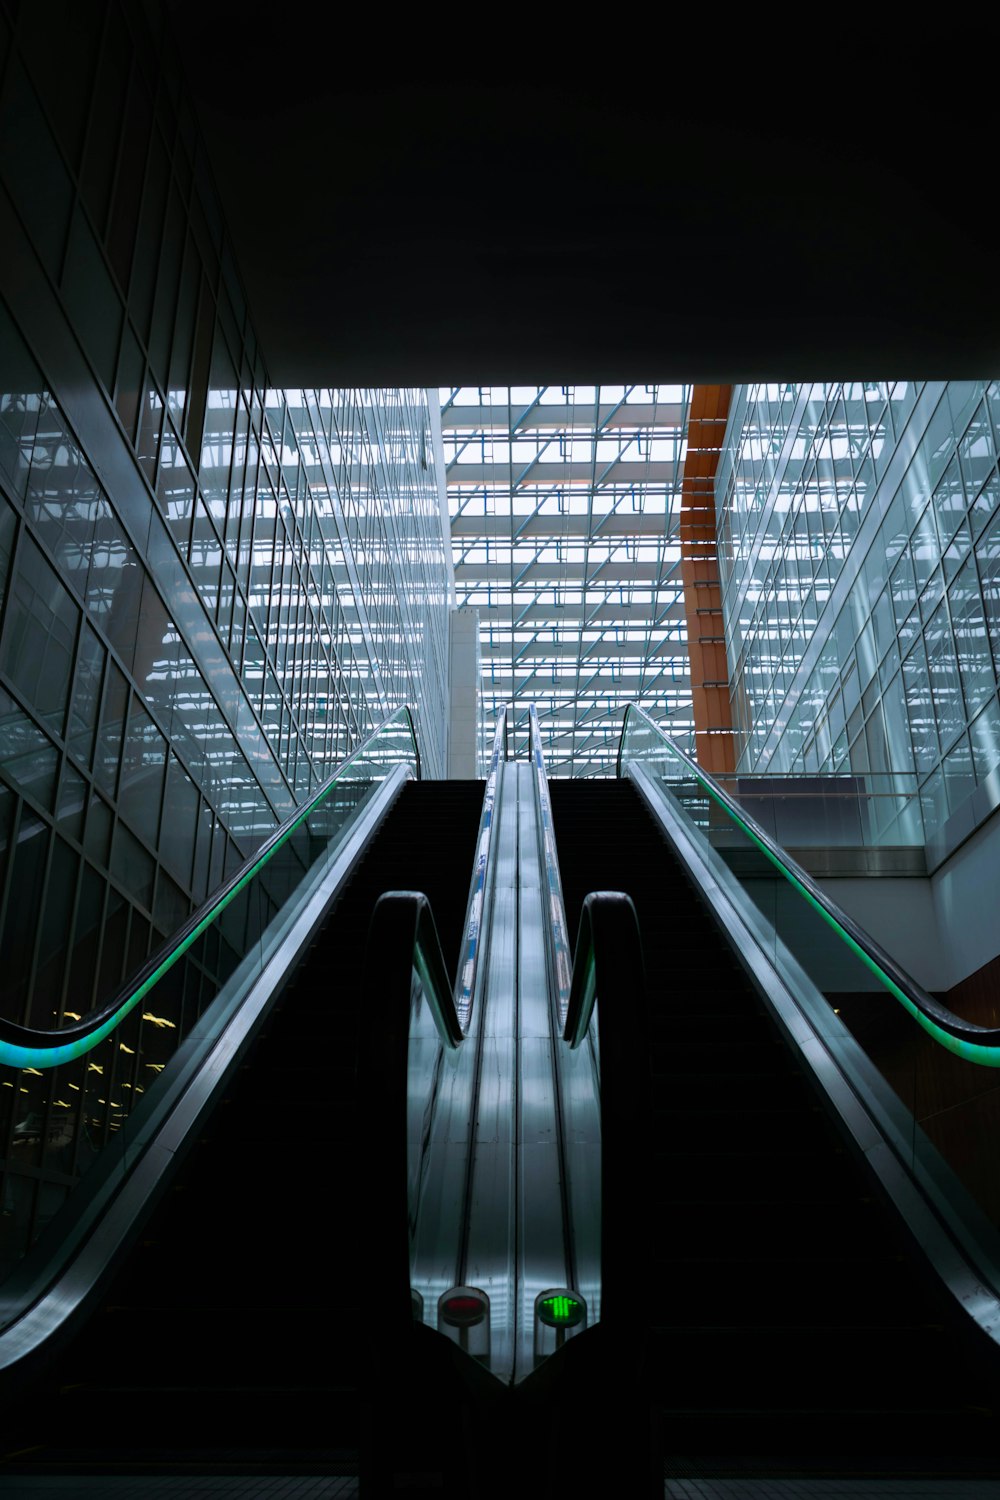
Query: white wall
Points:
[901, 914]
[967, 901]
[940, 928]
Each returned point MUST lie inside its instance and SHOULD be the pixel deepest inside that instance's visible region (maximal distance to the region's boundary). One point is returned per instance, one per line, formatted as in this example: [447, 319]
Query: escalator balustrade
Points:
[791, 1306]
[239, 1319]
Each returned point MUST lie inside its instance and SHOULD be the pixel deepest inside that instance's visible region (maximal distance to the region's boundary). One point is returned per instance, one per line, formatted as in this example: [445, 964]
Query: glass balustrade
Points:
[943, 1069]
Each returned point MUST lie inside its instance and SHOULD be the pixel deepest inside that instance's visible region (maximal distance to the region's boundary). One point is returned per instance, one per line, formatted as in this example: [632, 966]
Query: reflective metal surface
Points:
[462, 1220]
[490, 1248]
[477, 919]
[555, 937]
[492, 1210]
[543, 1251]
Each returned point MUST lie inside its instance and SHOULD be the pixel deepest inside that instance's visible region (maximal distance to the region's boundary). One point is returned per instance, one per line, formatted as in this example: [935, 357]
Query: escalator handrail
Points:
[401, 937]
[474, 931]
[24, 1046]
[608, 964]
[583, 988]
[557, 947]
[979, 1044]
[583, 992]
[428, 960]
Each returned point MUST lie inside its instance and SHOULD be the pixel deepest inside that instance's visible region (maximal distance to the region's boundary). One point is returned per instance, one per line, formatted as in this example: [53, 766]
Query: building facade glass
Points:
[211, 590]
[565, 504]
[859, 541]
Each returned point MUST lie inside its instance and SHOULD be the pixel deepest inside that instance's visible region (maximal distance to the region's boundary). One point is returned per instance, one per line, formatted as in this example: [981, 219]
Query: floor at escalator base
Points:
[141, 1486]
[767, 1488]
[241, 1486]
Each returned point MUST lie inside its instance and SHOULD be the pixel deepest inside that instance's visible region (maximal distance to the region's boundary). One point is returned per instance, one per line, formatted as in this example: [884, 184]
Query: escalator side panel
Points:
[745, 1174]
[239, 1318]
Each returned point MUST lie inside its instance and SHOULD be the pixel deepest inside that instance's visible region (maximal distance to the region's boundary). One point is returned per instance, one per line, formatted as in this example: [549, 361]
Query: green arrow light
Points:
[561, 1310]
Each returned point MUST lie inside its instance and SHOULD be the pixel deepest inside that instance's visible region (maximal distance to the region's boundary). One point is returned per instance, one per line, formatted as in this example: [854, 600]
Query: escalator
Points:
[228, 1286]
[327, 1078]
[625, 1194]
[234, 1331]
[793, 1313]
[247, 1282]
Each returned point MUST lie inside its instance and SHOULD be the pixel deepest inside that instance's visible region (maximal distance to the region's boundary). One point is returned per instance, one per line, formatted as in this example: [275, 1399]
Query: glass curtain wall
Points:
[211, 590]
[564, 504]
[859, 540]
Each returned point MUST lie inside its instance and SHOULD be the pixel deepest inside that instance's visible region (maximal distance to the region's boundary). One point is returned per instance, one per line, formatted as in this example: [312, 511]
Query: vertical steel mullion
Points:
[36, 946]
[71, 930]
[101, 931]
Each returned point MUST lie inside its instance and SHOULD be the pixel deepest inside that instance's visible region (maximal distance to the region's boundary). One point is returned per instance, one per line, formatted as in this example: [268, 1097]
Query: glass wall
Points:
[859, 529]
[210, 590]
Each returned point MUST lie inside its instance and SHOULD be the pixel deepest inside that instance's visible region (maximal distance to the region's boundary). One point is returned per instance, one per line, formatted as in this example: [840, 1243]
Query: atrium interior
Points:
[333, 521]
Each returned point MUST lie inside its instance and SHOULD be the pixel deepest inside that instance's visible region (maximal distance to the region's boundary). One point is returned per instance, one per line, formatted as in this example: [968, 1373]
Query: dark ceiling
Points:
[448, 231]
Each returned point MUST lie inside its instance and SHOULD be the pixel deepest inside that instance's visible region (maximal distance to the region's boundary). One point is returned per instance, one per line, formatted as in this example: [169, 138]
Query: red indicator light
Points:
[464, 1307]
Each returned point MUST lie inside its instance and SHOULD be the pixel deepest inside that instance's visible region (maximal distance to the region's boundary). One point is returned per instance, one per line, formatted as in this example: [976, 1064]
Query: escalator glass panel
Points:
[944, 1079]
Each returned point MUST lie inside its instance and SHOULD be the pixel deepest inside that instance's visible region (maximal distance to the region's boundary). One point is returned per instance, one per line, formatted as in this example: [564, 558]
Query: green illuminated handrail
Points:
[28, 1047]
[978, 1044]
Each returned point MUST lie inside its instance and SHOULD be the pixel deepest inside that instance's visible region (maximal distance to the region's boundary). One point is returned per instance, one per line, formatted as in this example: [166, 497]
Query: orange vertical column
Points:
[713, 719]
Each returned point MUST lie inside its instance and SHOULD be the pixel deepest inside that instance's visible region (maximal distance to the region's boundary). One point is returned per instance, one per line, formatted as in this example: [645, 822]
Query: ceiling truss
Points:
[564, 505]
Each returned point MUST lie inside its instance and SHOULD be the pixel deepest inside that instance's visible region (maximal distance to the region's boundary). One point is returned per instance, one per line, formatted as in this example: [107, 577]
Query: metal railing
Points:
[557, 950]
[475, 930]
[978, 1044]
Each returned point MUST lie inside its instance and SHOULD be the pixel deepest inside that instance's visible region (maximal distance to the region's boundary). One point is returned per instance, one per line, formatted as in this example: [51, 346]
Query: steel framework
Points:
[564, 505]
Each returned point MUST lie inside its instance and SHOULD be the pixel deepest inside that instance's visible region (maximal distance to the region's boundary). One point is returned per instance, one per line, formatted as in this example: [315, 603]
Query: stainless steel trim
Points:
[478, 908]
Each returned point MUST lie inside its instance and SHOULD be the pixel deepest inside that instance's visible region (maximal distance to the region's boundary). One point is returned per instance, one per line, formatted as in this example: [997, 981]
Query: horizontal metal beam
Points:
[605, 575]
[650, 522]
[633, 651]
[555, 616]
[556, 475]
[542, 416]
